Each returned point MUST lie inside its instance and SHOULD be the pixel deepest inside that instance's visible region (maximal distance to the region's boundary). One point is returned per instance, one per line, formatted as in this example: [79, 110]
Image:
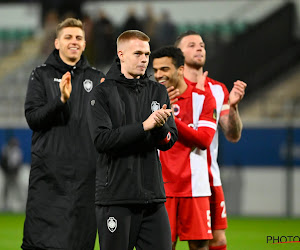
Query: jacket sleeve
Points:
[167, 135]
[106, 138]
[40, 113]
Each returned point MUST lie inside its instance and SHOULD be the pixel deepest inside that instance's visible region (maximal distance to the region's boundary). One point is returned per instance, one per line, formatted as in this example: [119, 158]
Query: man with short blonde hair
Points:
[129, 119]
[60, 210]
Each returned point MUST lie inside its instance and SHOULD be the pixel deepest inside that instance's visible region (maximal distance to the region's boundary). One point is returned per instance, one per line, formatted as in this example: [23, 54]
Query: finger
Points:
[170, 89]
[164, 106]
[173, 101]
[102, 80]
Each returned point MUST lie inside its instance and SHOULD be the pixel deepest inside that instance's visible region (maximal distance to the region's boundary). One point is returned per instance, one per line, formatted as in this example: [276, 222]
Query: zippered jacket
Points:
[60, 207]
[128, 168]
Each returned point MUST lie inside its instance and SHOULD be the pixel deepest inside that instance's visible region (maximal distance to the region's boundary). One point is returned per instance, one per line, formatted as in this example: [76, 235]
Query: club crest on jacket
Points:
[88, 85]
[155, 106]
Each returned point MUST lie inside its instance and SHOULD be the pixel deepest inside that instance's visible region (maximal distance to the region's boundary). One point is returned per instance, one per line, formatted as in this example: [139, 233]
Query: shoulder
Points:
[96, 71]
[156, 85]
[215, 82]
[42, 68]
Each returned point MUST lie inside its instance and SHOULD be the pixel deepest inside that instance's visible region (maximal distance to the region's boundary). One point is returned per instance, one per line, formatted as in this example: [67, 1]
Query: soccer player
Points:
[193, 48]
[185, 165]
[129, 119]
[60, 211]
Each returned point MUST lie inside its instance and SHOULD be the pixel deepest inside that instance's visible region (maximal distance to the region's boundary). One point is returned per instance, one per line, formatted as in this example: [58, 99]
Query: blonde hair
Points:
[132, 34]
[69, 22]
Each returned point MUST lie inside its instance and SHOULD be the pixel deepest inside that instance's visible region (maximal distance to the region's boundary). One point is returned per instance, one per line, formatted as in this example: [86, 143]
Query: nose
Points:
[144, 58]
[158, 75]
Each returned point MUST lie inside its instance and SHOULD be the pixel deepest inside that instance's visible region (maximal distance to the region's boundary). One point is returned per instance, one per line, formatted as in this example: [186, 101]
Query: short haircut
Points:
[132, 34]
[172, 52]
[69, 22]
[182, 35]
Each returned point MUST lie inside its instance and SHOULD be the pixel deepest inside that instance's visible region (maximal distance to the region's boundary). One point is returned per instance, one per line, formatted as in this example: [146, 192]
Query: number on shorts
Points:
[208, 218]
[223, 215]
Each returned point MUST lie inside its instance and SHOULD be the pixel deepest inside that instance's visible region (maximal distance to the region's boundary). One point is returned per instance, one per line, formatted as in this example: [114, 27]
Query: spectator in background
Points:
[60, 210]
[132, 22]
[49, 32]
[193, 48]
[104, 40]
[149, 26]
[166, 30]
[88, 25]
[11, 163]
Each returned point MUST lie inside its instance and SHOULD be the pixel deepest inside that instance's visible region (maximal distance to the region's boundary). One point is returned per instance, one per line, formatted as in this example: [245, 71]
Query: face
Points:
[165, 72]
[71, 44]
[193, 49]
[134, 57]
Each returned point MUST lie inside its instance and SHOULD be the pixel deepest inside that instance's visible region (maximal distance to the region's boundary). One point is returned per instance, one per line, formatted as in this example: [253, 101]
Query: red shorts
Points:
[218, 208]
[189, 218]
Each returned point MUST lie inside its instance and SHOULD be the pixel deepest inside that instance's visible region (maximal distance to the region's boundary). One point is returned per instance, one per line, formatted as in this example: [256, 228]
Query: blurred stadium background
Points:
[254, 41]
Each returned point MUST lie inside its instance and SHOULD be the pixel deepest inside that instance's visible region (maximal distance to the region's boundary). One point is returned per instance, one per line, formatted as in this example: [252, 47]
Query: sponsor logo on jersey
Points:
[215, 114]
[88, 85]
[112, 224]
[176, 109]
[155, 106]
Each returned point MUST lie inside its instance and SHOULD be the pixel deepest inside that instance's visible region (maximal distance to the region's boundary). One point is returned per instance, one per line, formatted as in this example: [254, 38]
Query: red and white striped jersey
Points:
[221, 95]
[184, 166]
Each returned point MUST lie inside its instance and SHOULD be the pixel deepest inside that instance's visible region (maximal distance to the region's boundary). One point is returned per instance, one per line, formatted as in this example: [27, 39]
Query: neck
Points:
[192, 73]
[182, 86]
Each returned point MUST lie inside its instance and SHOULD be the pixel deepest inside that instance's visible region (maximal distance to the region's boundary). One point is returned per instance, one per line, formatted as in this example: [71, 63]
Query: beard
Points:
[195, 65]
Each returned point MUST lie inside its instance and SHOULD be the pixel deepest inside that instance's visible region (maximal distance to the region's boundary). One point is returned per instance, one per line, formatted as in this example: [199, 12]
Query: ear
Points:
[180, 70]
[84, 45]
[56, 43]
[121, 55]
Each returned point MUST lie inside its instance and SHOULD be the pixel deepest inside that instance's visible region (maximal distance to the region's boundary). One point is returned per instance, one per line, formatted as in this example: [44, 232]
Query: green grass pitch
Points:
[242, 233]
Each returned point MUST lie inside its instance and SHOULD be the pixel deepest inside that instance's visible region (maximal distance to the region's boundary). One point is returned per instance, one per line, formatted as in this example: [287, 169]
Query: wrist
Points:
[63, 99]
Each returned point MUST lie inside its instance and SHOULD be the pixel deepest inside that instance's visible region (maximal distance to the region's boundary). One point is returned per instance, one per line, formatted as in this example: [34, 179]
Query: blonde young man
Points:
[60, 211]
[185, 165]
[193, 48]
[129, 119]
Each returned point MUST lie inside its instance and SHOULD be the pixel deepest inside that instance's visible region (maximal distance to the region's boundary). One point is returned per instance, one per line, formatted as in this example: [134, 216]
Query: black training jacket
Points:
[128, 168]
[60, 206]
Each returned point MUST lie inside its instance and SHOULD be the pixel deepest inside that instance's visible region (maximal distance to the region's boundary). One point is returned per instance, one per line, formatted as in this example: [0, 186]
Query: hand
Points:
[201, 78]
[173, 94]
[237, 93]
[65, 87]
[158, 118]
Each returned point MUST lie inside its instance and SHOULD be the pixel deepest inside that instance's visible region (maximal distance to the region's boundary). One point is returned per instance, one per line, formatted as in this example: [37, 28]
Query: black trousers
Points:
[145, 227]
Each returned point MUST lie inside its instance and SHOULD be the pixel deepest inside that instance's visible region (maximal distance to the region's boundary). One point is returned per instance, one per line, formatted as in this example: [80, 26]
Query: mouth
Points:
[73, 48]
[162, 81]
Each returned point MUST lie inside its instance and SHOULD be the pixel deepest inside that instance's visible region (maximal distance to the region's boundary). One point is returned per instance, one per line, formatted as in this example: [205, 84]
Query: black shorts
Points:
[145, 227]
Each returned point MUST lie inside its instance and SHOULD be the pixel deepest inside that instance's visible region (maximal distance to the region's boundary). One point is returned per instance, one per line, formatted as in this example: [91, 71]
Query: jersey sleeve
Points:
[202, 135]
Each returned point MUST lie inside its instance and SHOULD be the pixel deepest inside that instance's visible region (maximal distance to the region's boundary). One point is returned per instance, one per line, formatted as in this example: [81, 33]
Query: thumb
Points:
[205, 74]
[164, 106]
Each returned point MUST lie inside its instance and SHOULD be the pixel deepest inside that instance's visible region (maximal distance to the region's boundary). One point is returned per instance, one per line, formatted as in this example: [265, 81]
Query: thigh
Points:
[218, 209]
[194, 219]
[155, 230]
[114, 224]
[171, 206]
